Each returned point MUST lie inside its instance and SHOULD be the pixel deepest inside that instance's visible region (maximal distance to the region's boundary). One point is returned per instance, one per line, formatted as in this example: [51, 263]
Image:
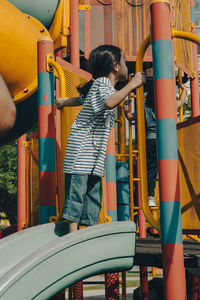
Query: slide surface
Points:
[46, 261]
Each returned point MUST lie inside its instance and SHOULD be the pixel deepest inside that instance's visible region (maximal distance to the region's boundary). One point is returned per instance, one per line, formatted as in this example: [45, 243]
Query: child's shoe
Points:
[152, 202]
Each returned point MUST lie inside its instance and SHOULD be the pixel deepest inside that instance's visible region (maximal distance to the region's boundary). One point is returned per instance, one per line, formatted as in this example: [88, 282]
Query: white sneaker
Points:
[151, 201]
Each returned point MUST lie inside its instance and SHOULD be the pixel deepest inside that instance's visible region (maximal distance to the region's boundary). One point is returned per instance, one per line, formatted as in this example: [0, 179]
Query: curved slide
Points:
[27, 20]
[39, 262]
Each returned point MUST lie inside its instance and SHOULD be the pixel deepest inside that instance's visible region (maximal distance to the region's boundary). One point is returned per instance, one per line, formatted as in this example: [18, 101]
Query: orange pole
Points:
[87, 31]
[74, 30]
[21, 182]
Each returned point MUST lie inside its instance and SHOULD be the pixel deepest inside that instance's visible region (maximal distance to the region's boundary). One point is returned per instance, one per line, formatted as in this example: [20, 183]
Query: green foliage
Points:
[8, 168]
[187, 108]
[8, 181]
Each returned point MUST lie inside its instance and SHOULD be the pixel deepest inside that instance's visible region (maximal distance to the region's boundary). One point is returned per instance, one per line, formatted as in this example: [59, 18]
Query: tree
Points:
[8, 181]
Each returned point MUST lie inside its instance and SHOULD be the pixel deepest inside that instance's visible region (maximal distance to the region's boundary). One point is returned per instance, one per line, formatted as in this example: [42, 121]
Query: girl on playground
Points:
[84, 160]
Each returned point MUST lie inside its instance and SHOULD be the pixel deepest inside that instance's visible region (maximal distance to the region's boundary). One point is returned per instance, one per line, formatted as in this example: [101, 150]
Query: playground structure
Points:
[113, 21]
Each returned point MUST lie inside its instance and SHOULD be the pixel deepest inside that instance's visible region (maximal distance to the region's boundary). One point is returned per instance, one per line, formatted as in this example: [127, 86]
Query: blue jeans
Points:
[151, 151]
[83, 198]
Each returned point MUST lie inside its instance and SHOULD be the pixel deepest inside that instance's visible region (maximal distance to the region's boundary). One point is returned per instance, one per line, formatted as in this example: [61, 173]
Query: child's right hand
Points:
[60, 103]
[125, 106]
[127, 113]
[138, 80]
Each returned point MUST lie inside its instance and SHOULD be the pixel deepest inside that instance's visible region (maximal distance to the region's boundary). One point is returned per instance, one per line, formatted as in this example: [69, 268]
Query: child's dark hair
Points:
[101, 62]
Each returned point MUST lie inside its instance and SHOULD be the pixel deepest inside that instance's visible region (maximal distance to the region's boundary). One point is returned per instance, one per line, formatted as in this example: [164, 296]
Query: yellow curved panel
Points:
[19, 34]
[60, 25]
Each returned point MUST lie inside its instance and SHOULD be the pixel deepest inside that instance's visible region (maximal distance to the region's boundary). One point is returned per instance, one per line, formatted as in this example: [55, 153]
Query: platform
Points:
[148, 253]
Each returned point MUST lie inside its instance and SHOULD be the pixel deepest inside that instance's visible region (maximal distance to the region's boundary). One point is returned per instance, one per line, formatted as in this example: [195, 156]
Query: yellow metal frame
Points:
[141, 122]
[84, 7]
[186, 36]
[60, 25]
[58, 72]
[141, 137]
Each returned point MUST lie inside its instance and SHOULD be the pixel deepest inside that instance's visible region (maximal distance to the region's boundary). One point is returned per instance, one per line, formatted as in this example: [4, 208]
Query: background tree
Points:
[8, 181]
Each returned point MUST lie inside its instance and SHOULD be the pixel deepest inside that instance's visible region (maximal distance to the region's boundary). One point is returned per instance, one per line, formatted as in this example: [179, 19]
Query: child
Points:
[86, 146]
[7, 109]
[150, 128]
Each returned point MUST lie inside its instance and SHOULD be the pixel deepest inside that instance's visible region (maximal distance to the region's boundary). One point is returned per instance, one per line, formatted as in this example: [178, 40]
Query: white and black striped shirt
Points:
[87, 142]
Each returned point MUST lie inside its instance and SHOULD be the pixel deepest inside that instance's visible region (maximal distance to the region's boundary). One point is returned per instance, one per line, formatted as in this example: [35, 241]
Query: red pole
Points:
[111, 279]
[194, 82]
[166, 115]
[47, 133]
[21, 182]
[74, 32]
[144, 288]
[87, 31]
[75, 60]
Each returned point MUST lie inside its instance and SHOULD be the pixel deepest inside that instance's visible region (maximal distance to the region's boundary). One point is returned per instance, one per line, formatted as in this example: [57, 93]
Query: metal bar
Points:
[74, 30]
[21, 183]
[141, 138]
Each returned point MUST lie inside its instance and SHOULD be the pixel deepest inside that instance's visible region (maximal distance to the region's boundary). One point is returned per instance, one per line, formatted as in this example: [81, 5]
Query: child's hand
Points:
[127, 113]
[125, 106]
[138, 80]
[60, 103]
[183, 86]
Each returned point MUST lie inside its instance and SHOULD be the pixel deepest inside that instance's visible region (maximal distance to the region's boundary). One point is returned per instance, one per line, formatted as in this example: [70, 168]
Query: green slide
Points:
[39, 262]
[43, 11]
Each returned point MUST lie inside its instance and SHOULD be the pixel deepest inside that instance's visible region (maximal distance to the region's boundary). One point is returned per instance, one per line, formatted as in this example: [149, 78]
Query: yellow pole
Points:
[186, 36]
[180, 90]
[141, 138]
[131, 165]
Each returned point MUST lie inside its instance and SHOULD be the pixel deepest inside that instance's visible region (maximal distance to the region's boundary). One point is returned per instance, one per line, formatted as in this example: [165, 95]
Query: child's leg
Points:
[92, 201]
[151, 166]
[75, 189]
[73, 226]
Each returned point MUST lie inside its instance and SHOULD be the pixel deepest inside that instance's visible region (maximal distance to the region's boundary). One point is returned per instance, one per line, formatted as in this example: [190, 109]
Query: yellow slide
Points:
[18, 50]
[19, 34]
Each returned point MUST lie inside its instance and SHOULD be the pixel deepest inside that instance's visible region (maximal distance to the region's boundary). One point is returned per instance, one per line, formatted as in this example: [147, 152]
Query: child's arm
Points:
[119, 96]
[182, 97]
[7, 109]
[66, 102]
[127, 113]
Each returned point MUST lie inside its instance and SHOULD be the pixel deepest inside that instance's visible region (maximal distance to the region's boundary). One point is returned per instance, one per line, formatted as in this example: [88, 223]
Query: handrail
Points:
[141, 123]
[186, 36]
[141, 137]
[60, 74]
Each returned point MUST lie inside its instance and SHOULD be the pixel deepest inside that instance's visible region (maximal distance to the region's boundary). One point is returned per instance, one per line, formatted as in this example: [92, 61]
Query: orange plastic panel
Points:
[189, 170]
[181, 21]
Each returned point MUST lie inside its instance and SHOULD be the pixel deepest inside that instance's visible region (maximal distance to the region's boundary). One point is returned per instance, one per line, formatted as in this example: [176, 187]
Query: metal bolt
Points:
[25, 90]
[42, 30]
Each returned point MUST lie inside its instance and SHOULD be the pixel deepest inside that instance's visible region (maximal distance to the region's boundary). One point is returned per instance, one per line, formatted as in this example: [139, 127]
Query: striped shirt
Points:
[87, 142]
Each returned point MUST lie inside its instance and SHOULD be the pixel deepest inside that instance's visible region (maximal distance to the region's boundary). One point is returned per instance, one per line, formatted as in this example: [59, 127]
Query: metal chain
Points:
[111, 2]
[135, 3]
